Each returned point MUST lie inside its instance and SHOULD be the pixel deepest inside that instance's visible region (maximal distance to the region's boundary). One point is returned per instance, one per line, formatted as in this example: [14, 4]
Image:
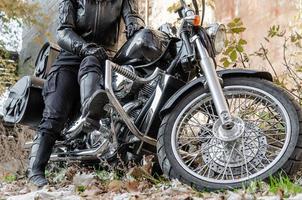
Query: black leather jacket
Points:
[94, 21]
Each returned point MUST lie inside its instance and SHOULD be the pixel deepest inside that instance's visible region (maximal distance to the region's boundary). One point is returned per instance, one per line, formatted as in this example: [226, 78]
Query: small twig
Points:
[287, 65]
[242, 60]
[268, 60]
[292, 74]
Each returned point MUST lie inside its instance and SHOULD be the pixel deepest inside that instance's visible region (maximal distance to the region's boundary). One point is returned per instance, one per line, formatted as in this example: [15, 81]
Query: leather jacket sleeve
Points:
[130, 13]
[67, 38]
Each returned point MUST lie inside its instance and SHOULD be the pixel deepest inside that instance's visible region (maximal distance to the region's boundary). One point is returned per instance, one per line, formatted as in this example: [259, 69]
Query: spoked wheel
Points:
[189, 149]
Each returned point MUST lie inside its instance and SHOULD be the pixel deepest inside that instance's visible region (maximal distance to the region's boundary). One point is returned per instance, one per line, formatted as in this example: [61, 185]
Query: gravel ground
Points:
[76, 182]
[136, 184]
[117, 190]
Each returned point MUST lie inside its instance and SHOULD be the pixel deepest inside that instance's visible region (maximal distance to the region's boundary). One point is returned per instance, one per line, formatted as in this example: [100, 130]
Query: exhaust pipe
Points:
[90, 154]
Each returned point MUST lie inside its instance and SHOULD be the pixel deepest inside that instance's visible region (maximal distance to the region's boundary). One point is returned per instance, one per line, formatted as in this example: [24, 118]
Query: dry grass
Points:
[13, 156]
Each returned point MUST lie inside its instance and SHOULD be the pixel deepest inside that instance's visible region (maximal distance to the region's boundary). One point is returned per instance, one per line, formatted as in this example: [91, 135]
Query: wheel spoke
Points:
[229, 159]
[212, 159]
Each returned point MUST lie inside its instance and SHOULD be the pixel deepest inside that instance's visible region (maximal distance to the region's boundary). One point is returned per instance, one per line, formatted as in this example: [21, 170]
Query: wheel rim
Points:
[265, 140]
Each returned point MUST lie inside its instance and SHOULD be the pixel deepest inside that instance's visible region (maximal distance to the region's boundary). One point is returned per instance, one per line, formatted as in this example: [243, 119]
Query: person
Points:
[88, 33]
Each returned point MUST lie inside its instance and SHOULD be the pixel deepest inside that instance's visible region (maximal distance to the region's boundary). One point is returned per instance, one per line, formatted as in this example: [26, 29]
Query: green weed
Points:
[256, 186]
[104, 175]
[81, 188]
[10, 178]
[284, 185]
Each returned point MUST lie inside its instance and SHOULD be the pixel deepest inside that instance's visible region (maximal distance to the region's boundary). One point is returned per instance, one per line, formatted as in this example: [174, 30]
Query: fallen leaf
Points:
[91, 192]
[115, 186]
[148, 164]
[137, 172]
[70, 173]
[132, 186]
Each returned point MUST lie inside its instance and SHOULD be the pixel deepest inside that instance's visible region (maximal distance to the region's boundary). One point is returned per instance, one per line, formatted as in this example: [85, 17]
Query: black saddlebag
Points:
[25, 102]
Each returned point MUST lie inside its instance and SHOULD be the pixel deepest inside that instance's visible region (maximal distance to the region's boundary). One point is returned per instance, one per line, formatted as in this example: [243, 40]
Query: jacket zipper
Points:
[97, 19]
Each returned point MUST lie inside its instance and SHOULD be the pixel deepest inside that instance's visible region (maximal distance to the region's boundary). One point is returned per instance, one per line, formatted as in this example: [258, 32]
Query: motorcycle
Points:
[209, 129]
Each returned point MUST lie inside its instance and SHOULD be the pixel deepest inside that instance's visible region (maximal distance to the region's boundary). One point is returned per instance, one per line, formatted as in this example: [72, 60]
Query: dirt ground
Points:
[13, 156]
[72, 181]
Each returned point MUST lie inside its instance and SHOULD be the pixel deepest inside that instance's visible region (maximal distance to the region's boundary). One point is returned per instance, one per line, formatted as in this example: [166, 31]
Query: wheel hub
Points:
[229, 135]
[250, 148]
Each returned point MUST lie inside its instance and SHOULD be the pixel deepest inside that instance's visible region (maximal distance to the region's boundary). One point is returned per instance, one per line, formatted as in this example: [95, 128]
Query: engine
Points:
[124, 87]
[121, 85]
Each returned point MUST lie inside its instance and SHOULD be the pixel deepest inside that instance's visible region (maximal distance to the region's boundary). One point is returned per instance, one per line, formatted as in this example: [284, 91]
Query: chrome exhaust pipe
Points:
[89, 154]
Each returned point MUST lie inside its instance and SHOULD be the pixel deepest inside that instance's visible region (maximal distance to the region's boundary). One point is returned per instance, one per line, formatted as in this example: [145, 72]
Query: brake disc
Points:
[247, 152]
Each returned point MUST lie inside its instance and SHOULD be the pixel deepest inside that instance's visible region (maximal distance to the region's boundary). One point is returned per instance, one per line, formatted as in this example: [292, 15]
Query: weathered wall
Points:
[34, 37]
[258, 16]
[160, 15]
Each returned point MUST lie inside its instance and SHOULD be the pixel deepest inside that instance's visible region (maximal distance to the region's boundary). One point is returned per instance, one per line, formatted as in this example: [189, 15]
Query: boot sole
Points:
[96, 105]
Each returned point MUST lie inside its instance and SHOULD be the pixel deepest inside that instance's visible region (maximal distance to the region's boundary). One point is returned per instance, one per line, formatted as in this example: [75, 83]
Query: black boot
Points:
[39, 156]
[93, 97]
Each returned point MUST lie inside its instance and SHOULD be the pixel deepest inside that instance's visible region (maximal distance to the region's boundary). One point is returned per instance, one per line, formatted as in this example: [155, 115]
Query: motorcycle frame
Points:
[196, 48]
[167, 86]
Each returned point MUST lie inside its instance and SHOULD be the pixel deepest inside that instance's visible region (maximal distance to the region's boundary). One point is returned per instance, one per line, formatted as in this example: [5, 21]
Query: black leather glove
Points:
[94, 50]
[132, 28]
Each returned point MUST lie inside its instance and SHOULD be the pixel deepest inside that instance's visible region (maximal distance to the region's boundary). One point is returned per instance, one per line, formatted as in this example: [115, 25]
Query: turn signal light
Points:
[197, 20]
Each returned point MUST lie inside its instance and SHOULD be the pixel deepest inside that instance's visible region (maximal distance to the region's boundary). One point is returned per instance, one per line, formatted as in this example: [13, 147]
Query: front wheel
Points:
[189, 151]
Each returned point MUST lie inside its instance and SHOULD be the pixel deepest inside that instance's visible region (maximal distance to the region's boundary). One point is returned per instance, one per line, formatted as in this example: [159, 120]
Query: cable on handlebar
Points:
[183, 3]
[203, 11]
[195, 4]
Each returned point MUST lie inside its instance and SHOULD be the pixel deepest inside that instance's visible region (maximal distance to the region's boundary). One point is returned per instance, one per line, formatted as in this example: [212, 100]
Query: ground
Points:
[91, 185]
[74, 181]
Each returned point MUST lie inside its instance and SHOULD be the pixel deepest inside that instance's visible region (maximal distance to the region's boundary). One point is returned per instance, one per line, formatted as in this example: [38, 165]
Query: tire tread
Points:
[292, 165]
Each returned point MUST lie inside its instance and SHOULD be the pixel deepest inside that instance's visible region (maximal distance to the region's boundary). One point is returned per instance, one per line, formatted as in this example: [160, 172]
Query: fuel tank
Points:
[146, 46]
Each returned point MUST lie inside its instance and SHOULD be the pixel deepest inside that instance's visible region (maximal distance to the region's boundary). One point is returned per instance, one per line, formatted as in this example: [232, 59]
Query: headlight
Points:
[217, 33]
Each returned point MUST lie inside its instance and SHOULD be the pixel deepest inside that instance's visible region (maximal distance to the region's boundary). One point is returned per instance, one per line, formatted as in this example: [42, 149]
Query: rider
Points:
[88, 32]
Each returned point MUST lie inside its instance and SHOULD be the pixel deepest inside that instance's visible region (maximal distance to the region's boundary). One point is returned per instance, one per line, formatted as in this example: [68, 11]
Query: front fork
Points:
[208, 67]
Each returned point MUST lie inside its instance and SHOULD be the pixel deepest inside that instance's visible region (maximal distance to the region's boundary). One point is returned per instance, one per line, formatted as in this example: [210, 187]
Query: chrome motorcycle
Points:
[209, 129]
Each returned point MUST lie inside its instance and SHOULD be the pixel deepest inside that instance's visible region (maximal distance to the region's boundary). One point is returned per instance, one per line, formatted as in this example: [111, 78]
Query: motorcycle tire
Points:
[289, 161]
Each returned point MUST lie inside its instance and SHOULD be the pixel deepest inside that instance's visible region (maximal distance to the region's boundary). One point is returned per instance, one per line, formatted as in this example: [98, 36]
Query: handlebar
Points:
[186, 8]
[183, 3]
[195, 4]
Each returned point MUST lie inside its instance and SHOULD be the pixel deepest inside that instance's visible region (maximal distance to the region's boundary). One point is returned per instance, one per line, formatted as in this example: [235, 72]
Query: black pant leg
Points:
[61, 93]
[91, 64]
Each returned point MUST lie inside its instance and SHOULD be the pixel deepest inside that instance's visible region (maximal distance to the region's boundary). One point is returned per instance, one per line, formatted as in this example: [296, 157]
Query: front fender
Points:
[224, 74]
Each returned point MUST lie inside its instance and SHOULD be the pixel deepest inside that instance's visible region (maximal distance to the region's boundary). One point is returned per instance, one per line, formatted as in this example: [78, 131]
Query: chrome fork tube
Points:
[214, 85]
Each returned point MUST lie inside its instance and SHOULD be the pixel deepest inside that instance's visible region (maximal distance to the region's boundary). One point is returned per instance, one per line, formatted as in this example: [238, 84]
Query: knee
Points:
[142, 37]
[90, 64]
